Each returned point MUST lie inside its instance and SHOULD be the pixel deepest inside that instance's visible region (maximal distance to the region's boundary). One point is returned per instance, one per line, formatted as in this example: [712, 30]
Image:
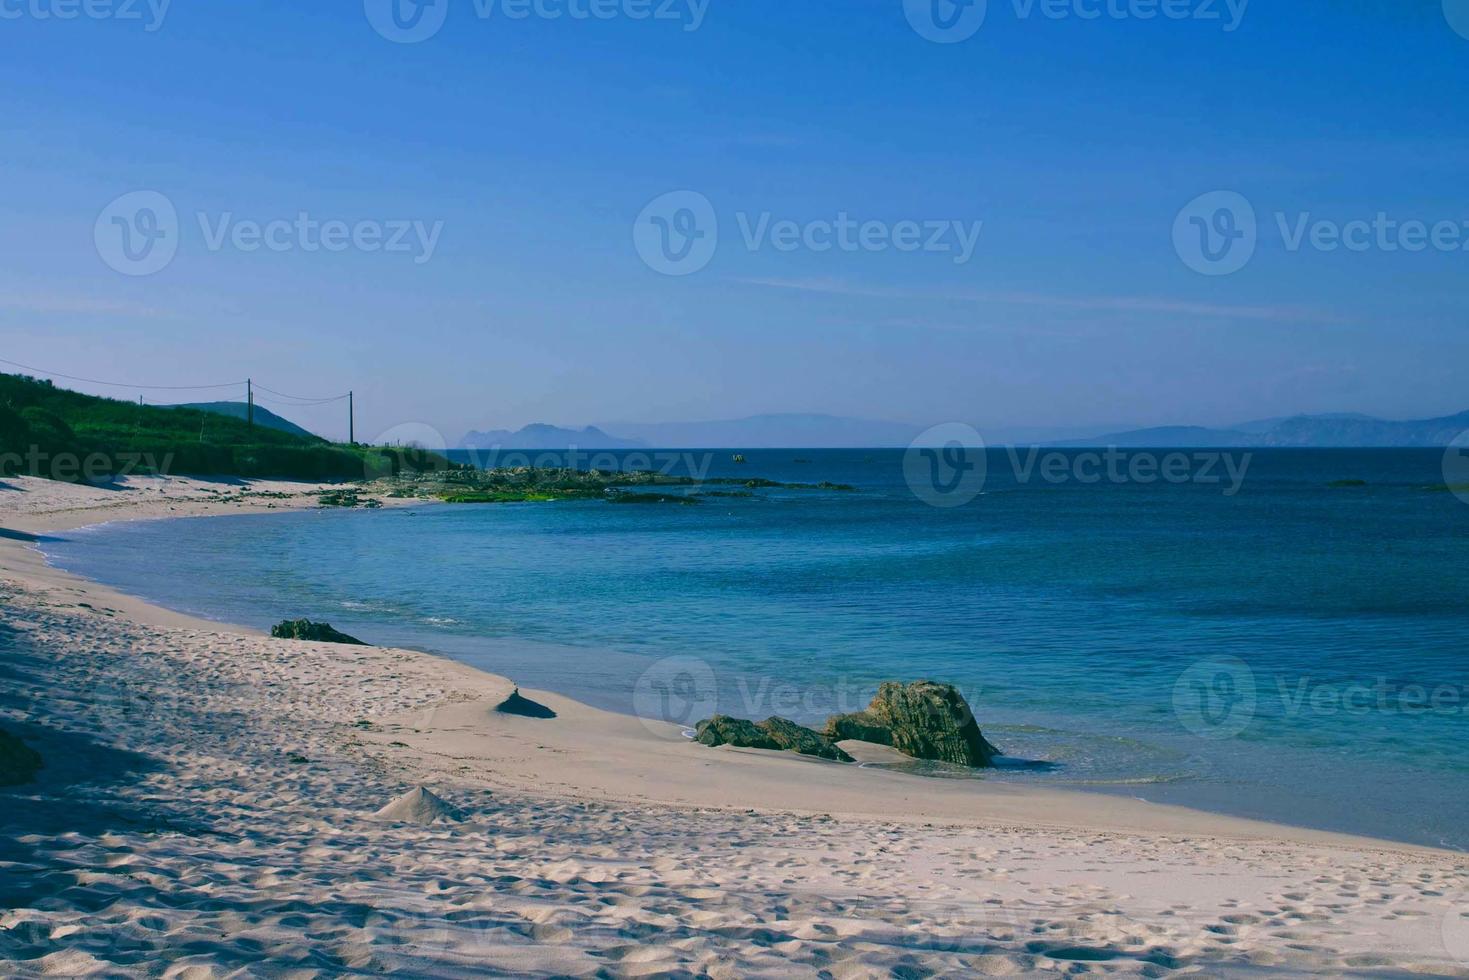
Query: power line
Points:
[294, 401]
[281, 404]
[118, 384]
[302, 399]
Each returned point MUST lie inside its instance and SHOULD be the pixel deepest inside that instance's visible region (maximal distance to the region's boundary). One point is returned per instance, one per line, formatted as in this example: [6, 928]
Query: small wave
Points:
[1154, 780]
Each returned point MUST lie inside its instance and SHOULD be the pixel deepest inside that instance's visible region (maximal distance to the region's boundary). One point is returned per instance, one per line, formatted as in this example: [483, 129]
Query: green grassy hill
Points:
[239, 410]
[51, 432]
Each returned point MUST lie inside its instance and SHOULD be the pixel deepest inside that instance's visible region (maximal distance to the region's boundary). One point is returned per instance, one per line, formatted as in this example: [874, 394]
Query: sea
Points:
[1277, 634]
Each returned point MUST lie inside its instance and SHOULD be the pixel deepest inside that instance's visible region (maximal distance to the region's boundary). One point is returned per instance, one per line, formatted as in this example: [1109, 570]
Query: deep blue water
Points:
[1168, 640]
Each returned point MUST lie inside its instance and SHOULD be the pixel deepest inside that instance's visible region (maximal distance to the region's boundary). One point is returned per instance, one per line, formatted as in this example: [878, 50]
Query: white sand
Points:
[208, 809]
[421, 806]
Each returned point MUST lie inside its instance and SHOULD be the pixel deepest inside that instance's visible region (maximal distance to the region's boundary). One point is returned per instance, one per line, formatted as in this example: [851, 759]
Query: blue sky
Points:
[538, 142]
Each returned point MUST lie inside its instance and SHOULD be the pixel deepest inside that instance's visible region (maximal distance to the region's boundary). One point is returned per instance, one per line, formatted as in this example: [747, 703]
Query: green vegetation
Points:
[653, 498]
[533, 485]
[64, 435]
[759, 484]
[523, 485]
[500, 498]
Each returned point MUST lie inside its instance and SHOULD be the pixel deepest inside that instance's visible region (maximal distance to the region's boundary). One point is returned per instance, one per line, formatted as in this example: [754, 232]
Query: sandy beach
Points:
[209, 797]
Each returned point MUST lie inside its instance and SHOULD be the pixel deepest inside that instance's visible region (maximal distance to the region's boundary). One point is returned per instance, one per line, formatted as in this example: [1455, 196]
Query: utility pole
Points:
[250, 402]
[352, 418]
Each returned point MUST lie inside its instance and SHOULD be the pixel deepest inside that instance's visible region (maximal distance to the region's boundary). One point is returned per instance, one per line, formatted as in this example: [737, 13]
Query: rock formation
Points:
[777, 734]
[925, 720]
[305, 629]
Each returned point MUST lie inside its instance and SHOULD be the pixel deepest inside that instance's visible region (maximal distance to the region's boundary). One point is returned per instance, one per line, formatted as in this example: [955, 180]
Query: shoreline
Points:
[582, 832]
[491, 654]
[1123, 814]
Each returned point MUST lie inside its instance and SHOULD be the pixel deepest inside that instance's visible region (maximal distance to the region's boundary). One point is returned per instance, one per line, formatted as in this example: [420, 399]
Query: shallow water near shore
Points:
[1294, 651]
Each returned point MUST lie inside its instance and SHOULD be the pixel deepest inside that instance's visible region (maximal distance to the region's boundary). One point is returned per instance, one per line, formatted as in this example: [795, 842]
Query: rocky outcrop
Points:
[519, 704]
[19, 763]
[776, 734]
[862, 726]
[305, 629]
[794, 738]
[738, 732]
[924, 720]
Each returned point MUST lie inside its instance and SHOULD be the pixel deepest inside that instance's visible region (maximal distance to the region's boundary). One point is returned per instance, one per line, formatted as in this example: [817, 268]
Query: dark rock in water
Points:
[776, 734]
[794, 738]
[924, 720]
[516, 704]
[19, 763]
[305, 629]
[742, 734]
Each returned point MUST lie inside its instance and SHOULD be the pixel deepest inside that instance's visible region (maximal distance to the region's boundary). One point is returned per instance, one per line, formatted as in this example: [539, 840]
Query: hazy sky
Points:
[1076, 142]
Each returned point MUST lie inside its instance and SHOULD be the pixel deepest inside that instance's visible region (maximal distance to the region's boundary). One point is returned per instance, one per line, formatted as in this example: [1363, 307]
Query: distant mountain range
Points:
[1347, 431]
[547, 437]
[263, 416]
[1302, 432]
[772, 432]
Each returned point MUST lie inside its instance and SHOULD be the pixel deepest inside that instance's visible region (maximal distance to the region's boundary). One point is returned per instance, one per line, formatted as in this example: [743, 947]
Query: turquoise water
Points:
[1293, 651]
